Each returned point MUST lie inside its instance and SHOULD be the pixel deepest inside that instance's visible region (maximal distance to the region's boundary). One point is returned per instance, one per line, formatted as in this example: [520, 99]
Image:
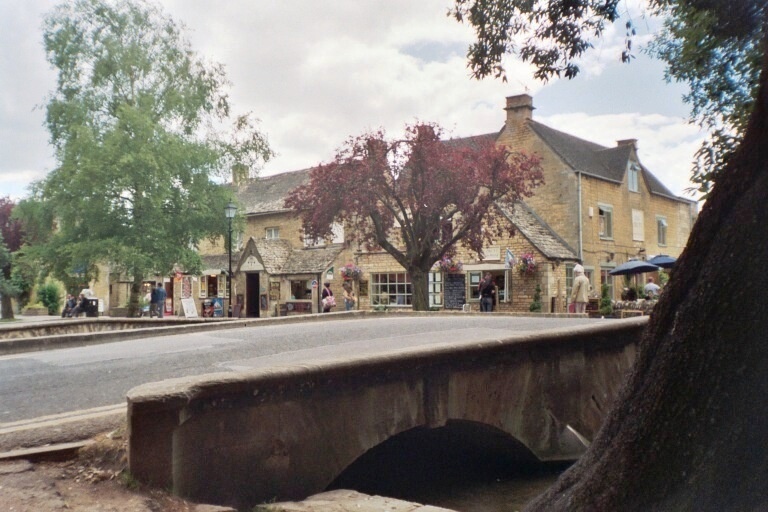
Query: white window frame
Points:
[605, 221]
[391, 284]
[272, 233]
[435, 285]
[633, 177]
[661, 230]
[638, 225]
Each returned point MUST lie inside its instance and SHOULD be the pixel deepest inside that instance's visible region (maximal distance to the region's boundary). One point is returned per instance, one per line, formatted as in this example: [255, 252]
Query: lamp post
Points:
[229, 213]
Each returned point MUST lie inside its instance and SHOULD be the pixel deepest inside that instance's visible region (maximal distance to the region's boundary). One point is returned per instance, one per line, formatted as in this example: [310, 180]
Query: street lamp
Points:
[229, 212]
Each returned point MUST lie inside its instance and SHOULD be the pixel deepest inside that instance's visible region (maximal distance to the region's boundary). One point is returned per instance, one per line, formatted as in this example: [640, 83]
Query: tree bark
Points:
[6, 308]
[689, 430]
[419, 290]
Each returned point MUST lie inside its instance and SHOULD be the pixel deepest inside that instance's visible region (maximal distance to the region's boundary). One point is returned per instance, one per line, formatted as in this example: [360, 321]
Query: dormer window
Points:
[633, 177]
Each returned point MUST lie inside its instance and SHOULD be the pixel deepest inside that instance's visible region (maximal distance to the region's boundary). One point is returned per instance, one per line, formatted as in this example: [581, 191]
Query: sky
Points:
[316, 73]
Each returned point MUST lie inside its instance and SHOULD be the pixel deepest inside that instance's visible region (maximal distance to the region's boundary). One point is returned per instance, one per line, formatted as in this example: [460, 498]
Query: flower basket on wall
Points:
[449, 265]
[527, 264]
[351, 272]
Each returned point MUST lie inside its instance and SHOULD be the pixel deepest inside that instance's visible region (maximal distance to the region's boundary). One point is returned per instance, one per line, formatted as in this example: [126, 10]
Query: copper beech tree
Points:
[416, 197]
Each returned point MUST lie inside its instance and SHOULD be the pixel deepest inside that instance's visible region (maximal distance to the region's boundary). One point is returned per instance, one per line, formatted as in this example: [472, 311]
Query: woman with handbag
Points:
[327, 296]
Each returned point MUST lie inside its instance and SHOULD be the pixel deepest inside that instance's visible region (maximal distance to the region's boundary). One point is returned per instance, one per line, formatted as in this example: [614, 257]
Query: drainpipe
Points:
[581, 227]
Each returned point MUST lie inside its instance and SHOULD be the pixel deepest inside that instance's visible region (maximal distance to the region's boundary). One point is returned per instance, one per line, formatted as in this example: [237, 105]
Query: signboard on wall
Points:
[251, 264]
[455, 291]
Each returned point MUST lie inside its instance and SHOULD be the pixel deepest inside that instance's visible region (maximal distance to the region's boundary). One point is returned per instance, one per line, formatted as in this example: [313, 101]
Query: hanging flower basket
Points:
[351, 272]
[527, 264]
[449, 265]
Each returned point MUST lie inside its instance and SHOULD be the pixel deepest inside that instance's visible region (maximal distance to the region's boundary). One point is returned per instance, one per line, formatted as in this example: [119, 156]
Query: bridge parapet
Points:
[240, 439]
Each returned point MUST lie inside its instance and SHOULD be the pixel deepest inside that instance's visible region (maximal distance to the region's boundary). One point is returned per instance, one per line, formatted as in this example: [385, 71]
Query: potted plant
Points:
[352, 272]
[449, 266]
[527, 264]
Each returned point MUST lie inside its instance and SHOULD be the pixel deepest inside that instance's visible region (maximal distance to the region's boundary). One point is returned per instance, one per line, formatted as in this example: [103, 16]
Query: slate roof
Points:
[267, 194]
[215, 263]
[595, 160]
[533, 228]
[279, 259]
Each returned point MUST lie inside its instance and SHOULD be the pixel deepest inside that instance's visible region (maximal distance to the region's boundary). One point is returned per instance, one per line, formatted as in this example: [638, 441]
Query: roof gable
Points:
[267, 194]
[536, 231]
[605, 163]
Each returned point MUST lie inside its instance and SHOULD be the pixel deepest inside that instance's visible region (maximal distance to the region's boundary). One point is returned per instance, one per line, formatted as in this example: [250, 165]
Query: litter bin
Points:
[92, 308]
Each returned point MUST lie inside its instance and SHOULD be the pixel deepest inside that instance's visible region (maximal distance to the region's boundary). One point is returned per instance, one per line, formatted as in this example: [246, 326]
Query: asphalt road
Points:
[45, 383]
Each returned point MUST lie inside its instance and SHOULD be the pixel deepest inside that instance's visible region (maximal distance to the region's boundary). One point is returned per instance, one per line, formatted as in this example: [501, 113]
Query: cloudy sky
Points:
[316, 73]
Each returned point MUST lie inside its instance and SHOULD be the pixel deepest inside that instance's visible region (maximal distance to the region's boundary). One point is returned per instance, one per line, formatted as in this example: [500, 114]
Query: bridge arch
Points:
[423, 457]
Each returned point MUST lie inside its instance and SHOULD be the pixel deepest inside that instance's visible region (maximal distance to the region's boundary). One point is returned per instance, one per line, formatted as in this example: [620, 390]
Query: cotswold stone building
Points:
[599, 207]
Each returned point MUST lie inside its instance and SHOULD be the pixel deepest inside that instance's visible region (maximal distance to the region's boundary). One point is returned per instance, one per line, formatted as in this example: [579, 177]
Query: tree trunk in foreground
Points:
[690, 429]
[6, 308]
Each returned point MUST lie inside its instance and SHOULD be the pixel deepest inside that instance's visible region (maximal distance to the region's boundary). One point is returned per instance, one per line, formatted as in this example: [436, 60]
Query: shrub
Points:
[50, 296]
[606, 308]
[536, 304]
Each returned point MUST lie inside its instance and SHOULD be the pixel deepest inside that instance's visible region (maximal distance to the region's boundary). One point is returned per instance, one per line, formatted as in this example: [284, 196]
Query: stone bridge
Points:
[285, 433]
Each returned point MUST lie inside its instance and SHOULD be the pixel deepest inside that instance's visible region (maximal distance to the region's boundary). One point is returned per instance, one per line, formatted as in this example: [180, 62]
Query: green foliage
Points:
[605, 307]
[535, 306]
[130, 117]
[49, 294]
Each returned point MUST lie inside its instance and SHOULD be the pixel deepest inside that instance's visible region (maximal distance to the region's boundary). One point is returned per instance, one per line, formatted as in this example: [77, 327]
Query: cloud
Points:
[316, 73]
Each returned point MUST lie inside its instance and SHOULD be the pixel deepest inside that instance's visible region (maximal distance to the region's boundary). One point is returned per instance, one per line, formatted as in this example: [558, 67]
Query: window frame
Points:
[272, 233]
[633, 177]
[662, 226]
[638, 225]
[391, 284]
[605, 221]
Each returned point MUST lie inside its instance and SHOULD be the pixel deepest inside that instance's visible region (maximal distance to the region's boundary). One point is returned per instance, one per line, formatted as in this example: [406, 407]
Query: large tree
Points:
[415, 197]
[11, 234]
[131, 122]
[689, 430]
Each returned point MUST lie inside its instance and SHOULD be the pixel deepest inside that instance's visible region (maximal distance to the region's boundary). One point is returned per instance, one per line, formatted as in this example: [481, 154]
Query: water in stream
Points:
[464, 466]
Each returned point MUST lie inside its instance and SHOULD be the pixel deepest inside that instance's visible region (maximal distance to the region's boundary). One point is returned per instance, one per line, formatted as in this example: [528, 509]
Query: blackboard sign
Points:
[455, 291]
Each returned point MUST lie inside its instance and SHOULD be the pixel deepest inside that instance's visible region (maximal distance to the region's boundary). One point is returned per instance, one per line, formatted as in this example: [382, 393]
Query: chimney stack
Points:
[627, 142]
[519, 109]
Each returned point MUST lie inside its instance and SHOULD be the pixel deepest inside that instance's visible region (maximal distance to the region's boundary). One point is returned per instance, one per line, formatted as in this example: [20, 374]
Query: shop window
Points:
[474, 284]
[606, 278]
[213, 286]
[435, 291]
[391, 289]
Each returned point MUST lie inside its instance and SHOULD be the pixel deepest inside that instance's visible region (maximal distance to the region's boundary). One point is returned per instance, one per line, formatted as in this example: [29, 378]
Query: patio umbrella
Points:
[663, 261]
[634, 267]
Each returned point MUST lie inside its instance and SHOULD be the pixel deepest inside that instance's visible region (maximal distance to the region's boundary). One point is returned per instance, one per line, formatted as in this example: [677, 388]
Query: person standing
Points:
[651, 289]
[580, 291]
[349, 296]
[487, 289]
[327, 298]
[160, 299]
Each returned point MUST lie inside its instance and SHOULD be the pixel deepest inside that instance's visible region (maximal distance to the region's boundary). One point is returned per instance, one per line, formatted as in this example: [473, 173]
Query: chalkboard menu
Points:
[455, 291]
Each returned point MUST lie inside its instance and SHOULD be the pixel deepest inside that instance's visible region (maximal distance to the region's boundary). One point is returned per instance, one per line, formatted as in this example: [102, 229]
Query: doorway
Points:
[252, 295]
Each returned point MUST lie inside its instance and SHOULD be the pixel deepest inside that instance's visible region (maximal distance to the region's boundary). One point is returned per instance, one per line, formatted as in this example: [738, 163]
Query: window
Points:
[661, 230]
[391, 289]
[638, 227]
[272, 233]
[633, 177]
[605, 218]
[474, 285]
[606, 278]
[435, 289]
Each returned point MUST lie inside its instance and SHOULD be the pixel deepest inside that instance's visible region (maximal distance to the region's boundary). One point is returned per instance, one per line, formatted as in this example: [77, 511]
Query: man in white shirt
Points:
[652, 289]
